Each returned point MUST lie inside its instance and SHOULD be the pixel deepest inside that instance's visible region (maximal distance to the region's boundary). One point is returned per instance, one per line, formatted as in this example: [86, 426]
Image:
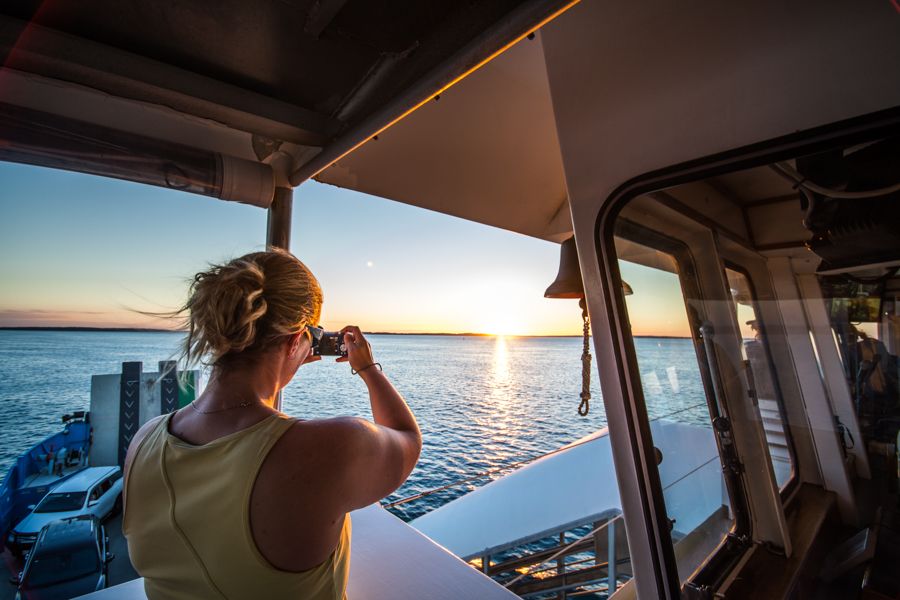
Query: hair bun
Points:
[248, 303]
[243, 288]
[227, 302]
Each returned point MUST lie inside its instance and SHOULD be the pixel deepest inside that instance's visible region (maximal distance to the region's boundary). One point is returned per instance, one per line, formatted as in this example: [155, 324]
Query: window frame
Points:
[737, 541]
[794, 480]
[642, 478]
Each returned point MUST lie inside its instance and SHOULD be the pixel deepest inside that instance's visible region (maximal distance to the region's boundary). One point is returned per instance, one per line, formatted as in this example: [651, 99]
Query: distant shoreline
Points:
[151, 330]
[100, 329]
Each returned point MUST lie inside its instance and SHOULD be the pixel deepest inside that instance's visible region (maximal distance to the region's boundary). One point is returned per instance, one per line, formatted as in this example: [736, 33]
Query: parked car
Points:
[69, 559]
[93, 491]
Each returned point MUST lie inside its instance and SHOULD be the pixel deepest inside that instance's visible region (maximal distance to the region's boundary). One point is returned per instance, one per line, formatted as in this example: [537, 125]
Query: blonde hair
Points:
[239, 308]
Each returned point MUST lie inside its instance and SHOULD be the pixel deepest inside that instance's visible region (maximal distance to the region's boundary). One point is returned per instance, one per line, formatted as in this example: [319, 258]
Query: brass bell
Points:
[568, 282]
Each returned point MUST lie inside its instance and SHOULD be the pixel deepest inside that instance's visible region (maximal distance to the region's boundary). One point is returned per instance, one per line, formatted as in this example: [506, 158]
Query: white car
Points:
[93, 491]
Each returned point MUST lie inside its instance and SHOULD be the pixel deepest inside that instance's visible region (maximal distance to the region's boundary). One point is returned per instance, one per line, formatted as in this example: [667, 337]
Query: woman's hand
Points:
[359, 352]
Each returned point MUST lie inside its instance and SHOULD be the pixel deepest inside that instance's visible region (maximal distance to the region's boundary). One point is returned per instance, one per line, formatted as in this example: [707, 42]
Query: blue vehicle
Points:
[69, 559]
[41, 469]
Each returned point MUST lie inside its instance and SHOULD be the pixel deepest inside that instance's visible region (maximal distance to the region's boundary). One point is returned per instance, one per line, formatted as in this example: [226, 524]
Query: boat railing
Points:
[587, 554]
[514, 465]
[602, 571]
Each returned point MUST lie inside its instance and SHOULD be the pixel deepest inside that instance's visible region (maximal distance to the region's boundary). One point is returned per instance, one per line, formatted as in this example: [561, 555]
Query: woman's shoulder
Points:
[334, 429]
[327, 440]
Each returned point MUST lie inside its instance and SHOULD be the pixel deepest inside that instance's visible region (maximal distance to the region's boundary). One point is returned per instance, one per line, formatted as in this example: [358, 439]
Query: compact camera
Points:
[331, 344]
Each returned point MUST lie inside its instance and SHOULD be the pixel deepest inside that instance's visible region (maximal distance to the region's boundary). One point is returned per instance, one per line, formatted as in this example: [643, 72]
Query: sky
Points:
[82, 250]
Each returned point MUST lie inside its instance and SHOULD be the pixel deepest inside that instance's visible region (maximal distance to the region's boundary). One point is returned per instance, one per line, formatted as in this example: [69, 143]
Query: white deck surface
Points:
[389, 560]
[42, 478]
[575, 486]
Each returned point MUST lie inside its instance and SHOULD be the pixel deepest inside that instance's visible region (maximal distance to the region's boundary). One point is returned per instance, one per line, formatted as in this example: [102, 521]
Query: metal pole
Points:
[611, 574]
[278, 231]
[561, 566]
[278, 234]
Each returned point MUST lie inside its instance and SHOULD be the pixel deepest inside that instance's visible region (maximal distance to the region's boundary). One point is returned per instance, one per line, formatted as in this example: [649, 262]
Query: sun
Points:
[500, 324]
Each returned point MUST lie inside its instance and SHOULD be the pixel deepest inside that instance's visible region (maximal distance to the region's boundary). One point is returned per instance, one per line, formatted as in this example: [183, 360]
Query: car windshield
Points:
[61, 502]
[51, 569]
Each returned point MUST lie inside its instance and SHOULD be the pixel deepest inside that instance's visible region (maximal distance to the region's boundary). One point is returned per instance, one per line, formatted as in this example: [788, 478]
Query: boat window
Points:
[764, 386]
[664, 316]
[781, 283]
[61, 502]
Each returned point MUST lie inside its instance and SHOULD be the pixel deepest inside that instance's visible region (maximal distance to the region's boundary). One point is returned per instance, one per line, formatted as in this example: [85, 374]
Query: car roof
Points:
[84, 479]
[67, 534]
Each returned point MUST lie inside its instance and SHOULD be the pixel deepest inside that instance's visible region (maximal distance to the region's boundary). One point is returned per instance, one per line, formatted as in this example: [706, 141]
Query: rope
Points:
[585, 407]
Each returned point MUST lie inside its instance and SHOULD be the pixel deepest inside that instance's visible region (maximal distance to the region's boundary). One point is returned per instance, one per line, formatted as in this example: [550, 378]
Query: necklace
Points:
[218, 410]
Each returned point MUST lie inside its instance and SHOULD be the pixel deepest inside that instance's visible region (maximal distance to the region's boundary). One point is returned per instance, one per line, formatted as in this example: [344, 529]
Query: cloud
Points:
[10, 317]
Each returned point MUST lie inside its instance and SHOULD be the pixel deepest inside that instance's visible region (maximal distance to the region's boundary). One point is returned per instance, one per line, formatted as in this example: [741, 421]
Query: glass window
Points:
[763, 385]
[52, 569]
[61, 502]
[661, 300]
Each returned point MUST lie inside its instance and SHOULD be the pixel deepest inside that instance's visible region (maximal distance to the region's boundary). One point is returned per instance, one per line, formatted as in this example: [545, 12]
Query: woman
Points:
[229, 498]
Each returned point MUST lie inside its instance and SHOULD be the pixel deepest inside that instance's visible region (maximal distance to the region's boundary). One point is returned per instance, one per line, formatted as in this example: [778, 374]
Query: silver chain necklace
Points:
[218, 410]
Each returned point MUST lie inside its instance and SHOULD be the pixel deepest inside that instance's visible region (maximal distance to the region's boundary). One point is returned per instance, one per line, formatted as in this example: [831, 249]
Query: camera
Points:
[331, 344]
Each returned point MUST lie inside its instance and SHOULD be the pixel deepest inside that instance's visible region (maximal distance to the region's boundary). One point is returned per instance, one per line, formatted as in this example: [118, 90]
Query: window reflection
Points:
[760, 375]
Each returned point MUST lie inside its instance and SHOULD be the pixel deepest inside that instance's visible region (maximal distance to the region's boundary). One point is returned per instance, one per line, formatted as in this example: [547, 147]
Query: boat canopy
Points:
[249, 97]
[487, 151]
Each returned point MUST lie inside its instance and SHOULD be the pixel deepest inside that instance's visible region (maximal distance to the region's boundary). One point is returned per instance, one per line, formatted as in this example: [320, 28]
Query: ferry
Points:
[747, 154]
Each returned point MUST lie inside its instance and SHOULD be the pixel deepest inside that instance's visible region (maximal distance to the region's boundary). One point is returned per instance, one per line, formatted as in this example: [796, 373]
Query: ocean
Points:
[482, 402]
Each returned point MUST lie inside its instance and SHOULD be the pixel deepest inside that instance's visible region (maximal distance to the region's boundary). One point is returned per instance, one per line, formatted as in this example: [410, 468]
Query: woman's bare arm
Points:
[379, 456]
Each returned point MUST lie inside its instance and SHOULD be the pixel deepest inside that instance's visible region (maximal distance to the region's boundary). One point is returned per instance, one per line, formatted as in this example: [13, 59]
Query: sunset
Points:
[487, 300]
[97, 252]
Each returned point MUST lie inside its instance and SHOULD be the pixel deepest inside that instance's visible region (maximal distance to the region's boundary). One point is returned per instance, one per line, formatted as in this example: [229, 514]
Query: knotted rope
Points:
[585, 407]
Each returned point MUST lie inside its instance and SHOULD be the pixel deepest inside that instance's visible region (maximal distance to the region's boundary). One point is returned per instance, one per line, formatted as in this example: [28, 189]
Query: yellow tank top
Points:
[187, 521]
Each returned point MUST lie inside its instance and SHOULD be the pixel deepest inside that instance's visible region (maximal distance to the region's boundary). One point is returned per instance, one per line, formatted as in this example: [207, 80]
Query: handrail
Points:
[600, 528]
[482, 474]
[564, 549]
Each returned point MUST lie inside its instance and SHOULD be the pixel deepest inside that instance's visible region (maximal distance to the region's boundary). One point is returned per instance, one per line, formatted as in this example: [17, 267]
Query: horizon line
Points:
[435, 333]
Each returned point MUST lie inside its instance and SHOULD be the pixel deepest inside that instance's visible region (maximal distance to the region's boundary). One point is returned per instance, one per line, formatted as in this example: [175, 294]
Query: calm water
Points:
[481, 402]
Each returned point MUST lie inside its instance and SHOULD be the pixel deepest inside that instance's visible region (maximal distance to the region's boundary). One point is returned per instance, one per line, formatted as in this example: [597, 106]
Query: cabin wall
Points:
[627, 105]
[777, 226]
[719, 206]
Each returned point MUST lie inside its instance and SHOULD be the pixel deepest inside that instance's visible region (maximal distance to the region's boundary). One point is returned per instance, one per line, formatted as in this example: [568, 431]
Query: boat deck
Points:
[43, 478]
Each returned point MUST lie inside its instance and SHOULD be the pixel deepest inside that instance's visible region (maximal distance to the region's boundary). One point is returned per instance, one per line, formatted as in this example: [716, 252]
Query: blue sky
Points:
[81, 250]
[85, 250]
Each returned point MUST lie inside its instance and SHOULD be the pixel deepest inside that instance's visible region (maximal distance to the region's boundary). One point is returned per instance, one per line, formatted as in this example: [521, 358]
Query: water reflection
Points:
[500, 372]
